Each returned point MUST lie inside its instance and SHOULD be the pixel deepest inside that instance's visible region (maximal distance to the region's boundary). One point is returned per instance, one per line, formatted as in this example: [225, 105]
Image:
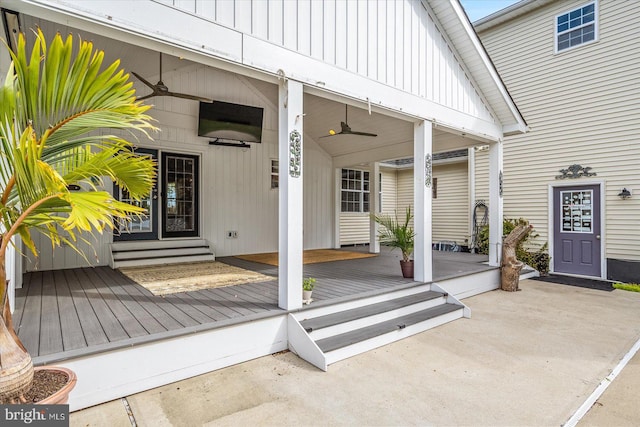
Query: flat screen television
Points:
[226, 121]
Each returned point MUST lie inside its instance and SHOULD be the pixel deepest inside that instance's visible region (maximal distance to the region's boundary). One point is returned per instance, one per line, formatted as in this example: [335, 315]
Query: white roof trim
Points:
[490, 68]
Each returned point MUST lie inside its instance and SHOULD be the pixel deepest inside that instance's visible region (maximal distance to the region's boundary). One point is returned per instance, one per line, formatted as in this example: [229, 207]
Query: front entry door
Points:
[144, 227]
[179, 179]
[577, 229]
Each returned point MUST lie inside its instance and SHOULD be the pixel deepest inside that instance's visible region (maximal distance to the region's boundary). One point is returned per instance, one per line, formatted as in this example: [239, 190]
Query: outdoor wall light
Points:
[624, 194]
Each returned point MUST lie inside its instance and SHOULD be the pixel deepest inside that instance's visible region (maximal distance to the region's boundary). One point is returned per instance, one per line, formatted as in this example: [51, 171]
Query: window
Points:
[274, 173]
[355, 191]
[576, 27]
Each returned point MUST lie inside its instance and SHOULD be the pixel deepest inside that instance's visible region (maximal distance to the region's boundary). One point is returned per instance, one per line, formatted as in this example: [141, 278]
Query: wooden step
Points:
[328, 320]
[329, 334]
[154, 252]
[163, 261]
[353, 337]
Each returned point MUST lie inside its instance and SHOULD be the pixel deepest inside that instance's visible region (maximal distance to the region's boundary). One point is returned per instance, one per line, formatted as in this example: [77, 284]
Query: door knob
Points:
[598, 236]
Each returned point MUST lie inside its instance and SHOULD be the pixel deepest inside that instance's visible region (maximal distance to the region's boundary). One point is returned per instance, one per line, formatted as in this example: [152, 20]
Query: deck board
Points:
[77, 310]
[72, 335]
[50, 331]
[89, 322]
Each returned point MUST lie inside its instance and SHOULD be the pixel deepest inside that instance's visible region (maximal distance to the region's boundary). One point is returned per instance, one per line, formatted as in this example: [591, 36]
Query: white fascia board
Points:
[314, 73]
[166, 23]
[491, 69]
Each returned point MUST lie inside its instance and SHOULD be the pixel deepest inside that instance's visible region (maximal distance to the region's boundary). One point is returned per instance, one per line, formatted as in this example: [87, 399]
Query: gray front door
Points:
[576, 230]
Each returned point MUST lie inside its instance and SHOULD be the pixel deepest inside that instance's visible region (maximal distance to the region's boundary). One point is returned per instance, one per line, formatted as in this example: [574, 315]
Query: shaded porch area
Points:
[70, 313]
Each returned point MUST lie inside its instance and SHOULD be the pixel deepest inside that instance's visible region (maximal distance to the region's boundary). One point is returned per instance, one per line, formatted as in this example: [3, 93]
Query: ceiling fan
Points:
[346, 129]
[160, 89]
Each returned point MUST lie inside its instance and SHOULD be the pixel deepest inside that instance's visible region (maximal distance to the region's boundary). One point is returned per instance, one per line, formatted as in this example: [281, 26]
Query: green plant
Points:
[54, 104]
[538, 259]
[397, 234]
[308, 284]
[633, 287]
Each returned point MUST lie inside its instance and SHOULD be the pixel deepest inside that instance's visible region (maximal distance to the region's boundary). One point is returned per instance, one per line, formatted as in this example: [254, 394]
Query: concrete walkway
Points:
[524, 358]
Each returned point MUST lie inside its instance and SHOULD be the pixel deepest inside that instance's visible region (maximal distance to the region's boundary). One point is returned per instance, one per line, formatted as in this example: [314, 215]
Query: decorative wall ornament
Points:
[295, 153]
[500, 186]
[575, 171]
[427, 170]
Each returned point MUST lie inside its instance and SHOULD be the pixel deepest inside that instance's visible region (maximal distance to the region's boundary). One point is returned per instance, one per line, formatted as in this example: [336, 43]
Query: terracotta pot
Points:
[407, 269]
[62, 395]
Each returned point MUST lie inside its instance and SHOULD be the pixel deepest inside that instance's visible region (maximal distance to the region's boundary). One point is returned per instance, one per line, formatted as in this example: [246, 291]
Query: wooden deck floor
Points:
[68, 312]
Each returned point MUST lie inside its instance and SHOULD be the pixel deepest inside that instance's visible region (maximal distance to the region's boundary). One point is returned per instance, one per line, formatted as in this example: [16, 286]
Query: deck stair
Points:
[329, 334]
[159, 252]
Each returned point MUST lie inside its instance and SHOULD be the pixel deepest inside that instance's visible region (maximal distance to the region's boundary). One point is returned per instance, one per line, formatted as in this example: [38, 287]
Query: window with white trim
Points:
[576, 27]
[355, 191]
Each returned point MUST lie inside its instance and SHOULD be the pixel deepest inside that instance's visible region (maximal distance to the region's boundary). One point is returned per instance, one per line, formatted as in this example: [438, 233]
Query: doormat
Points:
[599, 285]
[313, 256]
[174, 278]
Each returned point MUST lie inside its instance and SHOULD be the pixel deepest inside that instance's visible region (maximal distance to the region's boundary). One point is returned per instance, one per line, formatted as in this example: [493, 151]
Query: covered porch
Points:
[72, 313]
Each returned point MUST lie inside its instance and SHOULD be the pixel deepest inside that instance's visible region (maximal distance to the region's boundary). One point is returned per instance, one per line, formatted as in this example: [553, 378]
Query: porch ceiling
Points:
[395, 136]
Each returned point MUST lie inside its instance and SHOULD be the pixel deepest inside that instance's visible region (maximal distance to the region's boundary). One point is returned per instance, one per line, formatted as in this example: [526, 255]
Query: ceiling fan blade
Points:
[143, 80]
[362, 133]
[187, 96]
[151, 95]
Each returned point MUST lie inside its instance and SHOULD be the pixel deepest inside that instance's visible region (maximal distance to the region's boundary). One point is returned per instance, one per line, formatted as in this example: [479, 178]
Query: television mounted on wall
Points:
[224, 121]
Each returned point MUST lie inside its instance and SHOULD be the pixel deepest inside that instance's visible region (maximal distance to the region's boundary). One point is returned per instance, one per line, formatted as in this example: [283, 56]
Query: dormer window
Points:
[576, 27]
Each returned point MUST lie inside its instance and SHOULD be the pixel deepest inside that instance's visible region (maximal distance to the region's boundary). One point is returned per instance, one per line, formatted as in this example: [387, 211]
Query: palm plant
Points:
[55, 107]
[397, 234]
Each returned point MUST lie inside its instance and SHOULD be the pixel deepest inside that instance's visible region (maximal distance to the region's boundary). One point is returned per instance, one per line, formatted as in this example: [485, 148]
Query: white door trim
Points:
[573, 183]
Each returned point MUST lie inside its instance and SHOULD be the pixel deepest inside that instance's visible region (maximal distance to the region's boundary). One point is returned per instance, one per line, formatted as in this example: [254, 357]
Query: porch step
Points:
[142, 253]
[322, 337]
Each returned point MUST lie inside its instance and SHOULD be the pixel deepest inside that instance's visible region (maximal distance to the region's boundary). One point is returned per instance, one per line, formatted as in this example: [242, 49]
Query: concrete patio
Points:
[525, 358]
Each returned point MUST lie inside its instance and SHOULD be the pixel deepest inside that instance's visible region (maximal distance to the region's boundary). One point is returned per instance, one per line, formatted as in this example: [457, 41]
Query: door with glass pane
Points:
[144, 227]
[179, 195]
[577, 228]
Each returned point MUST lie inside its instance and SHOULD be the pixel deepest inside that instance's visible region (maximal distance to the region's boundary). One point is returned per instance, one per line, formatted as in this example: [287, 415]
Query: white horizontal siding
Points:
[582, 107]
[389, 192]
[451, 207]
[398, 43]
[354, 228]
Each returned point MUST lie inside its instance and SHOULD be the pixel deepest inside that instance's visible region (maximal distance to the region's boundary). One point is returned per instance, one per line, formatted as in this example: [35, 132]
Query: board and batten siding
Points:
[395, 42]
[235, 190]
[582, 108]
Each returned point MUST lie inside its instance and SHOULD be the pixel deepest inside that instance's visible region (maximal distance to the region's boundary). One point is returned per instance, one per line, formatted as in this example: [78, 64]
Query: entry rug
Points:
[600, 285]
[174, 278]
[312, 256]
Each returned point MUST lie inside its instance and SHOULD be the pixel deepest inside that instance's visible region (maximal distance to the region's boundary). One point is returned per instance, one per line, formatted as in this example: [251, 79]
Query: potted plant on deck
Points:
[307, 288]
[55, 105]
[399, 235]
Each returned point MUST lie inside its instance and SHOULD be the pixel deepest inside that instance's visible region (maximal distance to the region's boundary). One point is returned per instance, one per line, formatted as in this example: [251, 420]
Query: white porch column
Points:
[471, 173]
[495, 204]
[374, 206]
[290, 241]
[422, 193]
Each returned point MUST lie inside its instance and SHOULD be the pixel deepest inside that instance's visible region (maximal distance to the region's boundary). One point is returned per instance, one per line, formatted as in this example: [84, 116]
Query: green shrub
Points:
[633, 287]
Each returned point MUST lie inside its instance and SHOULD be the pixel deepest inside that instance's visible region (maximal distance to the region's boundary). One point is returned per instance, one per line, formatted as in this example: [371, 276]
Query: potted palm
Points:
[55, 106]
[399, 235]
